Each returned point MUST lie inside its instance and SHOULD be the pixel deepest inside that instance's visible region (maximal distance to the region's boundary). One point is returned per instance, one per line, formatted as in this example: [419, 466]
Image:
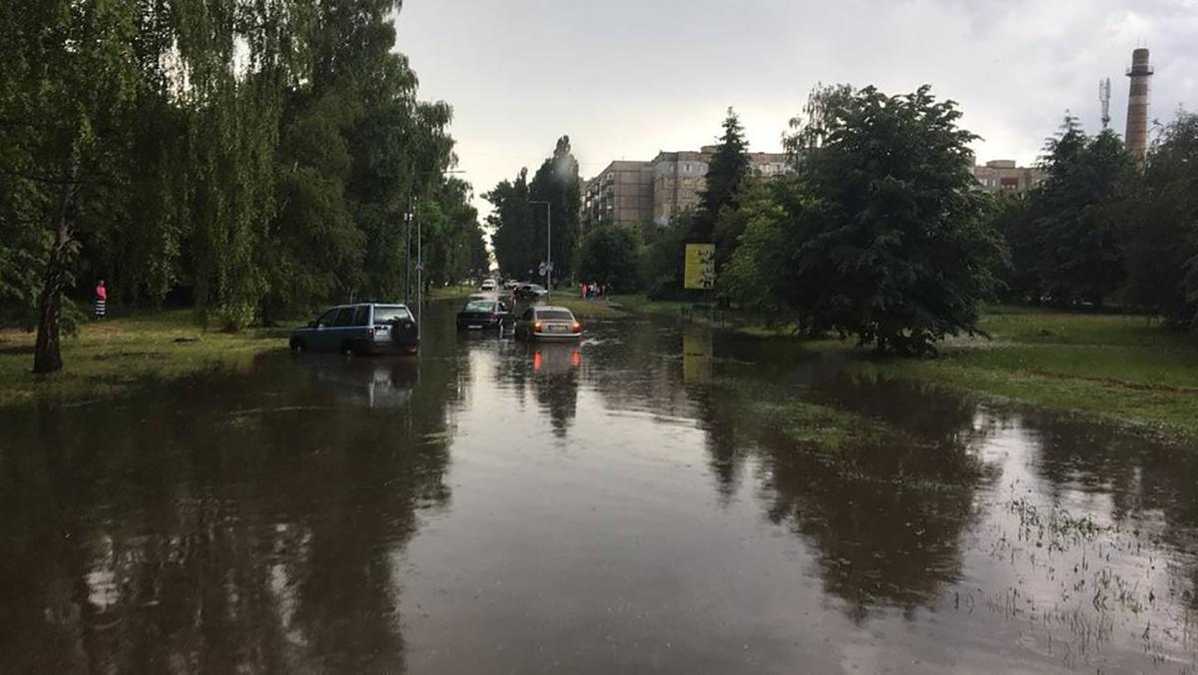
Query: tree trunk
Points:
[47, 357]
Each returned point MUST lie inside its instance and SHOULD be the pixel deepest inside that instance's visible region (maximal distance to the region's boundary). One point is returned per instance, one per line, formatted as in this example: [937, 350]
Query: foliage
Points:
[663, 259]
[519, 225]
[880, 235]
[1162, 241]
[256, 157]
[610, 255]
[1077, 213]
[726, 172]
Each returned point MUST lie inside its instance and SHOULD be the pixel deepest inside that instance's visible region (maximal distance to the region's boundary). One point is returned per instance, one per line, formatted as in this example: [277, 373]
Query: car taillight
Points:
[577, 327]
[371, 332]
[536, 325]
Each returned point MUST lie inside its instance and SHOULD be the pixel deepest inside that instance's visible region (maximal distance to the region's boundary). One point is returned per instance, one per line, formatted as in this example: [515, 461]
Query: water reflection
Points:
[232, 524]
[420, 515]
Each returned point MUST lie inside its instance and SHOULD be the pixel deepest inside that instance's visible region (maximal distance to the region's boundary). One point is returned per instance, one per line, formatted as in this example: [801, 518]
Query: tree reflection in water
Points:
[885, 515]
[221, 527]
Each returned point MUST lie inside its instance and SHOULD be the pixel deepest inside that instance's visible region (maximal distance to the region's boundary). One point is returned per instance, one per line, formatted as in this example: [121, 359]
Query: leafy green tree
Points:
[556, 182]
[1162, 242]
[67, 77]
[663, 258]
[610, 255]
[511, 223]
[1077, 215]
[881, 234]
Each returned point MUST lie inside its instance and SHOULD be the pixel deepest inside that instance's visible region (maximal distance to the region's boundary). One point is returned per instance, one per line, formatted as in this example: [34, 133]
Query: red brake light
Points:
[577, 327]
[536, 325]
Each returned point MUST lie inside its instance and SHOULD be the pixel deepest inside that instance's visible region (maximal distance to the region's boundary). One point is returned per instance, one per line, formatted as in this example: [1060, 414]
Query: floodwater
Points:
[623, 505]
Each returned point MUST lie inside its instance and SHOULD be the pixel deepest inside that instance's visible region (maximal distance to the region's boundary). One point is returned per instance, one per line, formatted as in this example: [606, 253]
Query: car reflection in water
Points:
[371, 383]
[555, 368]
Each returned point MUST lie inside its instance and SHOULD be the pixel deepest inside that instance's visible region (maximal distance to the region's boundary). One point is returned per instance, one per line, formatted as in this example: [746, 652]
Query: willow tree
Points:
[68, 73]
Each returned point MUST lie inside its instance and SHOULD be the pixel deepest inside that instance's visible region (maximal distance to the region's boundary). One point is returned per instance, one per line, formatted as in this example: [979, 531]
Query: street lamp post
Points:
[548, 245]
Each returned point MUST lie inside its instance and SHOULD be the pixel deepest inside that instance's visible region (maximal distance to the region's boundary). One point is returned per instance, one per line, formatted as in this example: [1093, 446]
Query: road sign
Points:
[700, 266]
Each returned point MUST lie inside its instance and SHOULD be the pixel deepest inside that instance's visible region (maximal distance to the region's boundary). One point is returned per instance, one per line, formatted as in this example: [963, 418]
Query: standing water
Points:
[639, 502]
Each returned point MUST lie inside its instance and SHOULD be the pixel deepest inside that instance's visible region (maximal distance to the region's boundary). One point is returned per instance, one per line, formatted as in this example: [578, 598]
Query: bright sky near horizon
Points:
[626, 78]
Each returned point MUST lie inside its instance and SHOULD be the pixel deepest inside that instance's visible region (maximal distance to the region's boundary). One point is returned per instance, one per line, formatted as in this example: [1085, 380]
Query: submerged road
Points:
[623, 505]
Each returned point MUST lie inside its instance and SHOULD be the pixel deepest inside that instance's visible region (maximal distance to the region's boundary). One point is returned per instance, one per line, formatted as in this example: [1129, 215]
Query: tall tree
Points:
[1162, 242]
[556, 182]
[1077, 214]
[881, 234]
[726, 171]
[68, 75]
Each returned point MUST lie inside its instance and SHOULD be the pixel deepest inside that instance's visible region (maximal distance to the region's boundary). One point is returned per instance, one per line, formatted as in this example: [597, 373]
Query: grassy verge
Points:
[585, 309]
[1117, 367]
[1113, 366]
[111, 357]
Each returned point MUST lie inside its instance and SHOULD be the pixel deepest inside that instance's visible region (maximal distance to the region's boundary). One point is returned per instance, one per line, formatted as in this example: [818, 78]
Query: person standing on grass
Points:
[101, 300]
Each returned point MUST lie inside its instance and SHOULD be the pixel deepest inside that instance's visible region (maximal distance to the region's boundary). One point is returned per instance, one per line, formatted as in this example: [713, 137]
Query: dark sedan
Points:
[482, 314]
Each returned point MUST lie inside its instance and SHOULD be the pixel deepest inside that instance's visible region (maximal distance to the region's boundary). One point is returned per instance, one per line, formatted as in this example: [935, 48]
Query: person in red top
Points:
[101, 300]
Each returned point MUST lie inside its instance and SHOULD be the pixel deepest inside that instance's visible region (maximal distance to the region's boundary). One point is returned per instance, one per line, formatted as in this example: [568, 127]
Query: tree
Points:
[1077, 214]
[610, 255]
[881, 234]
[511, 226]
[68, 75]
[727, 170]
[557, 182]
[1162, 243]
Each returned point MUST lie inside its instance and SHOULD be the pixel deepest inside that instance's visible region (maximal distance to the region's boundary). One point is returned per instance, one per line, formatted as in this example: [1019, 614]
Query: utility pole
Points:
[419, 278]
[548, 245]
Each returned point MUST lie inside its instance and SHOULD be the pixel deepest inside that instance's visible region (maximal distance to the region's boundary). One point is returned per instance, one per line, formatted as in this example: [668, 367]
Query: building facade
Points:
[637, 193]
[621, 194]
[1002, 175]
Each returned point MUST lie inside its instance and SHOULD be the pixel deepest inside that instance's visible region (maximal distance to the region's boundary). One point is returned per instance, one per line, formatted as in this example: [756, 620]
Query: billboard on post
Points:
[699, 271]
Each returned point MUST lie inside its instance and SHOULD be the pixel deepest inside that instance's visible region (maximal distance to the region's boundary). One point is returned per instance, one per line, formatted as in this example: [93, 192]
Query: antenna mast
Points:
[1104, 97]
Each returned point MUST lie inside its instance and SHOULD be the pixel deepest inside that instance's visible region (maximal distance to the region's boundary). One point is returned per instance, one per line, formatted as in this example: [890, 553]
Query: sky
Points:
[627, 78]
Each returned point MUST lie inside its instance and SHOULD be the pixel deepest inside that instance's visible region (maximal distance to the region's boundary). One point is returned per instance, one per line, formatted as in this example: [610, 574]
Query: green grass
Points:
[1113, 366]
[1117, 367]
[112, 357]
[585, 309]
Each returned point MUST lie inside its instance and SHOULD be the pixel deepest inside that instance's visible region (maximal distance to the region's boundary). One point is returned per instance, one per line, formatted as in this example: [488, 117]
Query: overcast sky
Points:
[626, 78]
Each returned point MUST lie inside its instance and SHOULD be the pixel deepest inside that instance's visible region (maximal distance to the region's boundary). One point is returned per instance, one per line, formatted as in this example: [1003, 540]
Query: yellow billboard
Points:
[700, 266]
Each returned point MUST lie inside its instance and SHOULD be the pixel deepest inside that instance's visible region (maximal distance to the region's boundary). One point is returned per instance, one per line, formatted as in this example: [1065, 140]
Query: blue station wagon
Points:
[362, 328]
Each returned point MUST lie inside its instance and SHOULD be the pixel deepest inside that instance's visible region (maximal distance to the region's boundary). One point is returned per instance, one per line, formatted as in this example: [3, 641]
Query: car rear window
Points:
[388, 314]
[555, 315]
[480, 306]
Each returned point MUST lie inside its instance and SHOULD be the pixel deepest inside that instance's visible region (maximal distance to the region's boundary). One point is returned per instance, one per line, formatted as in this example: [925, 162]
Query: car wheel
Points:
[297, 346]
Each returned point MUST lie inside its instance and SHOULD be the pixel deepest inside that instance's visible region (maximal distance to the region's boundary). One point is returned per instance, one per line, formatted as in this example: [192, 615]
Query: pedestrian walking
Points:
[101, 300]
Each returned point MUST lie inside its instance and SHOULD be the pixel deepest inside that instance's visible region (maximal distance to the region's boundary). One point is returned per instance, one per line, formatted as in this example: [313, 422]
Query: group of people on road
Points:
[592, 290]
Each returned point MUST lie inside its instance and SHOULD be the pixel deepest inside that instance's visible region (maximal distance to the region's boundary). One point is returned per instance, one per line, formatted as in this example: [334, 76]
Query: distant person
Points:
[101, 300]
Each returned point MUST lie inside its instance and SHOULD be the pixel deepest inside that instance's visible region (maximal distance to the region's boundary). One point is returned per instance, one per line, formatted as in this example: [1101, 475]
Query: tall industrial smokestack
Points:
[1136, 137]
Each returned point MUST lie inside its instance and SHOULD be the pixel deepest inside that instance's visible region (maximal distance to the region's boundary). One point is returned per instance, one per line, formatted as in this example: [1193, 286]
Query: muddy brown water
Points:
[622, 505]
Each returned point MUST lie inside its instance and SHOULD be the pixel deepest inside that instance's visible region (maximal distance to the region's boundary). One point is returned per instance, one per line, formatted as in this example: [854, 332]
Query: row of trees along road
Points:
[519, 221]
[880, 231]
[1097, 230]
[255, 158]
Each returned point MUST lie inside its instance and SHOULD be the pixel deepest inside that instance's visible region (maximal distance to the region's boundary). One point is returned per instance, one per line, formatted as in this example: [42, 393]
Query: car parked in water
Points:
[546, 322]
[482, 313]
[530, 292]
[360, 328]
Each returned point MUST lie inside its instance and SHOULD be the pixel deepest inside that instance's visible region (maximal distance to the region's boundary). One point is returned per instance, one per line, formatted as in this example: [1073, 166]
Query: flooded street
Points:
[616, 506]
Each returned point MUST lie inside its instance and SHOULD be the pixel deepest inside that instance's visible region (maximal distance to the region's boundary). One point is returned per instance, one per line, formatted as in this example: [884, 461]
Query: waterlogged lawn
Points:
[1118, 367]
[110, 357]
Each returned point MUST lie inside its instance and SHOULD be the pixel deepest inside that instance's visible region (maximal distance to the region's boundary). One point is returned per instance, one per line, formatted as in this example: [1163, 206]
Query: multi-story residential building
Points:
[636, 193]
[1002, 175]
[622, 194]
